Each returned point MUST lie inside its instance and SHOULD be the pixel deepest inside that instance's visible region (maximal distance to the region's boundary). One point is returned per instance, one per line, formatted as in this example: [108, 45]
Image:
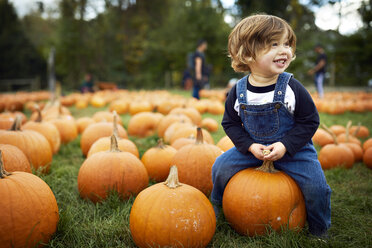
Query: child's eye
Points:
[286, 44]
[275, 44]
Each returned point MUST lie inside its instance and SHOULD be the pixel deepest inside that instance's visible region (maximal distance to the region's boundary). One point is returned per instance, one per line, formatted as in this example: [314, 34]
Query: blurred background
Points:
[142, 44]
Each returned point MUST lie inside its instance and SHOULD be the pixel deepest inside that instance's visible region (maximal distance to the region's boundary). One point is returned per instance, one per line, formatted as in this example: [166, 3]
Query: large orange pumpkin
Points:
[157, 161]
[172, 214]
[195, 163]
[165, 122]
[257, 198]
[28, 210]
[322, 137]
[34, 145]
[111, 170]
[14, 159]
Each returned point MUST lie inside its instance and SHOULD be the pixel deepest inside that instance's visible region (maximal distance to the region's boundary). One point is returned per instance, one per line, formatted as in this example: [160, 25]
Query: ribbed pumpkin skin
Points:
[34, 145]
[103, 144]
[253, 199]
[194, 163]
[164, 217]
[98, 130]
[106, 171]
[28, 211]
[48, 130]
[14, 159]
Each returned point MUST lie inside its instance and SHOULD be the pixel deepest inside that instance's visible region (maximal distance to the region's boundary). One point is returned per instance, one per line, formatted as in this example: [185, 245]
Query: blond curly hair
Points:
[254, 34]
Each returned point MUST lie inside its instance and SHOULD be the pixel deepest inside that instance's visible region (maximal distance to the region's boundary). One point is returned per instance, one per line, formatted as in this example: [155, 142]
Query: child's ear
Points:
[294, 57]
[250, 59]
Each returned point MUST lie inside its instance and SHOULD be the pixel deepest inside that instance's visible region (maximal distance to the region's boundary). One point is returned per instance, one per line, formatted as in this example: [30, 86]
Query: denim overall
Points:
[266, 124]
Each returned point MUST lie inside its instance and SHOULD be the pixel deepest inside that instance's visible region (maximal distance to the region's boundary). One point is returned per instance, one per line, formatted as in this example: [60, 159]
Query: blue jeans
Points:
[303, 167]
[318, 80]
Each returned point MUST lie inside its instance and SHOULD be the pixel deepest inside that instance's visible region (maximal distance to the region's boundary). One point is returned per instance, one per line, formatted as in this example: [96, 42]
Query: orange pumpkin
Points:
[367, 144]
[337, 129]
[359, 131]
[83, 122]
[225, 143]
[256, 198]
[335, 155]
[104, 144]
[168, 120]
[192, 113]
[34, 145]
[28, 210]
[191, 131]
[14, 159]
[322, 137]
[48, 130]
[172, 214]
[111, 170]
[144, 124]
[98, 130]
[367, 157]
[210, 124]
[181, 142]
[195, 162]
[157, 161]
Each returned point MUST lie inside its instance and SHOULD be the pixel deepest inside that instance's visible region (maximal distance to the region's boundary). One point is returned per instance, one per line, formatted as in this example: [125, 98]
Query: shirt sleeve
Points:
[233, 125]
[306, 119]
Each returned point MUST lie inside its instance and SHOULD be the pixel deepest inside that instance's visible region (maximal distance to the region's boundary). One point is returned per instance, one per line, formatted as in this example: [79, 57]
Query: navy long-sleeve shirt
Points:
[305, 115]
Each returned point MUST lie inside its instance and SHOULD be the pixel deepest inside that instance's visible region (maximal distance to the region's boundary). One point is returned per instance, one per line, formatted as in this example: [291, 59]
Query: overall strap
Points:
[241, 90]
[281, 86]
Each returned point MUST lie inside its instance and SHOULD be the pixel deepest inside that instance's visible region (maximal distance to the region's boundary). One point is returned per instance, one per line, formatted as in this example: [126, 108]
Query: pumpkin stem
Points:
[330, 132]
[267, 166]
[199, 136]
[3, 172]
[161, 143]
[16, 126]
[115, 128]
[357, 129]
[347, 134]
[114, 144]
[39, 116]
[172, 180]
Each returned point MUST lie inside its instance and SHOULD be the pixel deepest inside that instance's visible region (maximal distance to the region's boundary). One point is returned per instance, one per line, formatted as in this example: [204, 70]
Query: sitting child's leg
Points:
[226, 166]
[305, 169]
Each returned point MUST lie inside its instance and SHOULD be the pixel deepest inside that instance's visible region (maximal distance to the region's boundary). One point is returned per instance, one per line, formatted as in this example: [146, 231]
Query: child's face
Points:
[273, 60]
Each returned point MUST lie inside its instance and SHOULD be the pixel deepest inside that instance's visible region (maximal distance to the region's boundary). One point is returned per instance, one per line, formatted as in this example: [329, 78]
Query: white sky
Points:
[326, 16]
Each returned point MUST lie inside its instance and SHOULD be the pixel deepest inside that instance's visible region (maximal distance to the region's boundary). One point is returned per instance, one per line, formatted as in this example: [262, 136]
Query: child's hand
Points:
[257, 150]
[277, 151]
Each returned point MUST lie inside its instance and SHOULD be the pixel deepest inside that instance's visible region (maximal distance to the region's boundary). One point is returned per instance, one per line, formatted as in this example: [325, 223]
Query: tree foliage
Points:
[144, 44]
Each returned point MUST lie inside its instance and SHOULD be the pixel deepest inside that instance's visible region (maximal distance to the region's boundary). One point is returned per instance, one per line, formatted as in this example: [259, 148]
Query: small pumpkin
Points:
[256, 198]
[210, 124]
[172, 214]
[157, 161]
[98, 130]
[104, 143]
[28, 209]
[144, 124]
[335, 155]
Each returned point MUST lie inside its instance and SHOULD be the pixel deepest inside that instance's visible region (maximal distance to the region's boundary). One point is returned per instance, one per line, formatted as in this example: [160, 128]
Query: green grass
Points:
[84, 224]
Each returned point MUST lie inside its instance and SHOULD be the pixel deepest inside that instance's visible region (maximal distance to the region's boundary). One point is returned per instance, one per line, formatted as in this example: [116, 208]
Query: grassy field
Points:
[84, 224]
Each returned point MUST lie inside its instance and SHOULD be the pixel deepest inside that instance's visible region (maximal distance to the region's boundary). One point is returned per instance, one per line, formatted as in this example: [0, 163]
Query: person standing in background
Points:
[200, 74]
[319, 69]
